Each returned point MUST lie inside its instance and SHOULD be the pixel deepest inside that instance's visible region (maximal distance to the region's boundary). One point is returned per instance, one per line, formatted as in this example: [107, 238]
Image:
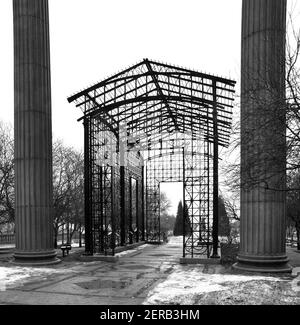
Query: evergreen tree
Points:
[224, 224]
[178, 227]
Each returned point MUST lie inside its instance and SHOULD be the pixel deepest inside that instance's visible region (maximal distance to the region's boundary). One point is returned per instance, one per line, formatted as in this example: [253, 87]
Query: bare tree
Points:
[67, 184]
[231, 209]
[67, 189]
[271, 125]
[293, 206]
[165, 203]
[166, 220]
[7, 214]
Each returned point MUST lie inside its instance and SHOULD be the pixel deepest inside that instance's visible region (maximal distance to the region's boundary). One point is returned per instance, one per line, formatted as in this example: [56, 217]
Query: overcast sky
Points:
[92, 39]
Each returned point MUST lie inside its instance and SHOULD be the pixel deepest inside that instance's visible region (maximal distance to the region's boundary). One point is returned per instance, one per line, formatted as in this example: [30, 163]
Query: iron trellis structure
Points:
[148, 124]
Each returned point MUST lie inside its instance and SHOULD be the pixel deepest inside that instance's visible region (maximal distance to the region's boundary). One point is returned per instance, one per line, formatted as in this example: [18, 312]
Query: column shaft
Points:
[263, 159]
[33, 134]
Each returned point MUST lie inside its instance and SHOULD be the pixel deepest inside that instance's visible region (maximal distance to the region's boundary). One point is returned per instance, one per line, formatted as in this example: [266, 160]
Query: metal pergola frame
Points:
[138, 114]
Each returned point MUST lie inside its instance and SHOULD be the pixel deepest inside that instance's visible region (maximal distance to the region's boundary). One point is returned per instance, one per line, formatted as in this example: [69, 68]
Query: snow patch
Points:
[13, 276]
[130, 251]
[7, 246]
[182, 286]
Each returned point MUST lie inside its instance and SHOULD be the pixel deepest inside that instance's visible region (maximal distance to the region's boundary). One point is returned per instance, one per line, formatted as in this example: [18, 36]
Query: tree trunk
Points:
[79, 231]
[63, 234]
[55, 237]
[68, 233]
[72, 232]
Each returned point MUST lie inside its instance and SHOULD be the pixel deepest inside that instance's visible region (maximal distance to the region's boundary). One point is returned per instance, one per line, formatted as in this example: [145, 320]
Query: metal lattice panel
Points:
[198, 198]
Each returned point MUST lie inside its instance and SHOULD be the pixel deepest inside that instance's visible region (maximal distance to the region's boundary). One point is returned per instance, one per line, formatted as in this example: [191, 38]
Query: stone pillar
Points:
[263, 202]
[33, 134]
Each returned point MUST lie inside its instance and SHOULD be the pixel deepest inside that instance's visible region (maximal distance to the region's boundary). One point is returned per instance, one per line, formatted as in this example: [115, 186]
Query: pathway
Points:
[149, 274]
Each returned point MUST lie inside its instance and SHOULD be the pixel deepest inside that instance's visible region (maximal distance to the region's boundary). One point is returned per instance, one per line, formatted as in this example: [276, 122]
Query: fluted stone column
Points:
[263, 160]
[33, 135]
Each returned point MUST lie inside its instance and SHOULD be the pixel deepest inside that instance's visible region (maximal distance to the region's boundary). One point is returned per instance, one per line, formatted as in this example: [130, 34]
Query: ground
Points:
[149, 274]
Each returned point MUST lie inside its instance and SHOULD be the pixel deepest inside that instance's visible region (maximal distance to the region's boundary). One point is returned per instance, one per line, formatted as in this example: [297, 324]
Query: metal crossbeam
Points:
[161, 94]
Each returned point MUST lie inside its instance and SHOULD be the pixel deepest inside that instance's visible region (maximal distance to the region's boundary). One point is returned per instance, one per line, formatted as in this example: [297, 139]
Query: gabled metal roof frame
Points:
[153, 97]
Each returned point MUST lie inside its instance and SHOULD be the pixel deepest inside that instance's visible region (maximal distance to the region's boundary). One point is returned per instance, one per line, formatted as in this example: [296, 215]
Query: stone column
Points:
[263, 203]
[33, 134]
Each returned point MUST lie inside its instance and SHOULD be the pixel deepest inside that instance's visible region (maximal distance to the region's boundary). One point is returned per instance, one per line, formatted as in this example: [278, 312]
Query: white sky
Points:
[174, 192]
[91, 39]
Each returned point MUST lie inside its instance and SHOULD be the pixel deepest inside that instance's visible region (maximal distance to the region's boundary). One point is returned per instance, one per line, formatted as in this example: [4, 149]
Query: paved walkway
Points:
[126, 281]
[149, 274]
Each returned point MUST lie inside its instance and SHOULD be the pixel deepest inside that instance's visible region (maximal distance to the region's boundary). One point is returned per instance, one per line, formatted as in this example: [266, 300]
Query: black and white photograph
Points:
[149, 155]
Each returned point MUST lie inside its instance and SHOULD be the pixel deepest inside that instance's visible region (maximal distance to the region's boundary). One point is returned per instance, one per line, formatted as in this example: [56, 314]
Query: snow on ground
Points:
[176, 240]
[5, 246]
[73, 244]
[186, 284]
[16, 275]
[198, 284]
[130, 251]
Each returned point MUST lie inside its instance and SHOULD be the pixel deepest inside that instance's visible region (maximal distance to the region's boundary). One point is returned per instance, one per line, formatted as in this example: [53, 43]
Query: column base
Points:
[40, 258]
[265, 264]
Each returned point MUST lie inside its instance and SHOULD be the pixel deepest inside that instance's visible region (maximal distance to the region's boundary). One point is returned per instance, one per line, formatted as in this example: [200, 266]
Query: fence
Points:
[7, 239]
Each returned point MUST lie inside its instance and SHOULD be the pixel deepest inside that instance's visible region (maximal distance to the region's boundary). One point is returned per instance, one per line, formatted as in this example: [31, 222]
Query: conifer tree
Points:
[178, 227]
